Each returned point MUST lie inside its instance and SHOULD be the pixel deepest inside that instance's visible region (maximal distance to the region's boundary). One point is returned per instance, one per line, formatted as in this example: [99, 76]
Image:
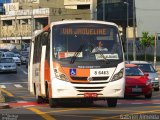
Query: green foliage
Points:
[147, 40]
[142, 58]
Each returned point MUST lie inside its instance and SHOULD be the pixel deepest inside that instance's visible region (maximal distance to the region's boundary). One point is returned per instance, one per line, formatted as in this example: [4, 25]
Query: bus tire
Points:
[47, 93]
[39, 99]
[52, 102]
[34, 88]
[112, 102]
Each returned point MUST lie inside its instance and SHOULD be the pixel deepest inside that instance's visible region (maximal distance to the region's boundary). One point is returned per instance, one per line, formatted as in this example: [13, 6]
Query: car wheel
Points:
[156, 89]
[148, 96]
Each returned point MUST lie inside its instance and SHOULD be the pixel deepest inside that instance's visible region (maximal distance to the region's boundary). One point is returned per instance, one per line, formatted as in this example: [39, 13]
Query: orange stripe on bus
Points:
[46, 28]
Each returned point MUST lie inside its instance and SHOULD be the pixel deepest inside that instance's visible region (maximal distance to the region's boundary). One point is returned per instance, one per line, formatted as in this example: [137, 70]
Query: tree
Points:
[146, 41]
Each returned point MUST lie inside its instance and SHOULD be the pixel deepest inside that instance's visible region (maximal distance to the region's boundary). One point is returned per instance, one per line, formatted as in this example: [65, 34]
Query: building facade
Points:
[23, 17]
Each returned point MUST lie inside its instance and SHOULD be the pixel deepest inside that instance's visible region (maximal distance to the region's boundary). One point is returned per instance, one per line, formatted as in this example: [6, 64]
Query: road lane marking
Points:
[42, 114]
[12, 83]
[136, 103]
[2, 86]
[6, 92]
[25, 96]
[87, 109]
[26, 73]
[22, 101]
[18, 85]
[66, 110]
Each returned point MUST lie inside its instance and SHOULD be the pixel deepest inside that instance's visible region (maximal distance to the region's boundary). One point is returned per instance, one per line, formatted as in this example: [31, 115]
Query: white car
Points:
[11, 55]
[8, 65]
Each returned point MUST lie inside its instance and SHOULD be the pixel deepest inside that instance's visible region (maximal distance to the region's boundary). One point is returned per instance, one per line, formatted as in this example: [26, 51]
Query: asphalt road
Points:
[24, 107]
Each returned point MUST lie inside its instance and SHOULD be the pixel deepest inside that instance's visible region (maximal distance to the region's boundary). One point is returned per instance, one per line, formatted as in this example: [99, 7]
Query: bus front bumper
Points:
[63, 89]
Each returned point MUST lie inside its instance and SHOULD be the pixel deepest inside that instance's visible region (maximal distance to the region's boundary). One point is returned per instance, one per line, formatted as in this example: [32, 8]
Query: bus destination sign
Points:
[83, 31]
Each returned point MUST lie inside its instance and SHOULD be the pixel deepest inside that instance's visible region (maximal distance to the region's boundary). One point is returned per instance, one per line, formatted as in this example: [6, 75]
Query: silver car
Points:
[11, 55]
[8, 65]
[148, 68]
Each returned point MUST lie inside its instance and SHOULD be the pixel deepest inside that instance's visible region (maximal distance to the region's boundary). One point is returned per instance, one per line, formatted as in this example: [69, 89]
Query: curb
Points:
[2, 99]
[4, 106]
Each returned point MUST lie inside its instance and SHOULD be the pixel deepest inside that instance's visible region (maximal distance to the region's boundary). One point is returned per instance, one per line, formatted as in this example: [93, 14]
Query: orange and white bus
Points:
[64, 66]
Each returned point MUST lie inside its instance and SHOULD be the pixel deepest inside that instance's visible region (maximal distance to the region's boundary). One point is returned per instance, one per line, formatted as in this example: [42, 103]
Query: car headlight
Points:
[156, 78]
[60, 76]
[148, 81]
[118, 75]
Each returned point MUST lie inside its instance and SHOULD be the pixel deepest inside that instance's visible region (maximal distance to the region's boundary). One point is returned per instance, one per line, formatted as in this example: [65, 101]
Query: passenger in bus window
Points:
[99, 47]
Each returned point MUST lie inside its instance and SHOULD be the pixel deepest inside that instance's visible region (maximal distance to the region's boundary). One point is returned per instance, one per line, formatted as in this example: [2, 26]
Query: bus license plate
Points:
[136, 89]
[90, 95]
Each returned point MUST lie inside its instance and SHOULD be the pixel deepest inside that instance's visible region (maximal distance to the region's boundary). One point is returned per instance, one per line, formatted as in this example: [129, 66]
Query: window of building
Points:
[7, 22]
[83, 6]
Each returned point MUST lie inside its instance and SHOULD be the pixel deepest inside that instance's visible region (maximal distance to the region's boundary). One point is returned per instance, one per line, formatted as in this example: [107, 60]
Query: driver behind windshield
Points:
[99, 47]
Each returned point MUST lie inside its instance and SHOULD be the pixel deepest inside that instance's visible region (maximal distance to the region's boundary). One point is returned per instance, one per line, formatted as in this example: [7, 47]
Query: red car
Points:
[137, 82]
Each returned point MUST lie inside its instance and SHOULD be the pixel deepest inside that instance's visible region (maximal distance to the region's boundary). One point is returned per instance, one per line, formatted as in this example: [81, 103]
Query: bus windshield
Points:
[86, 42]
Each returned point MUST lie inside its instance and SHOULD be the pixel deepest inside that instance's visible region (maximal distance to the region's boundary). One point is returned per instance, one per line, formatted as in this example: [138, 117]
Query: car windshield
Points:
[146, 67]
[133, 71]
[6, 60]
[9, 54]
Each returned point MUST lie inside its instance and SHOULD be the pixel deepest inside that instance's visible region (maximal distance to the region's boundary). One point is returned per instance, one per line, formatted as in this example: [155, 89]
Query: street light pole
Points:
[134, 32]
[104, 10]
[127, 25]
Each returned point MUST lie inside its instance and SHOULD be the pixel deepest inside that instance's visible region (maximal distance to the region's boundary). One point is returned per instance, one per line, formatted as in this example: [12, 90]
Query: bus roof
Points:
[82, 21]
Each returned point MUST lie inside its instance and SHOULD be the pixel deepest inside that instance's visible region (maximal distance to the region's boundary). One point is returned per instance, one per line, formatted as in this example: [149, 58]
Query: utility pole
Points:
[0, 29]
[155, 48]
[16, 28]
[104, 10]
[127, 25]
[134, 32]
[32, 22]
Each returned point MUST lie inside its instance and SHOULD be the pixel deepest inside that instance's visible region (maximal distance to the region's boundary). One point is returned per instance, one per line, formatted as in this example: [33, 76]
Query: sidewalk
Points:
[3, 105]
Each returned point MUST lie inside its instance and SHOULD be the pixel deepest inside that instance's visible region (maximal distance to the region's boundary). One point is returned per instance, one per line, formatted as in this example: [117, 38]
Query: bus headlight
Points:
[63, 77]
[118, 75]
[60, 76]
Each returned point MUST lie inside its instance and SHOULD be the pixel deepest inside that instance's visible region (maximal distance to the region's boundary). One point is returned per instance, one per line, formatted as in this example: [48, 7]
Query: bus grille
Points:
[93, 78]
[89, 89]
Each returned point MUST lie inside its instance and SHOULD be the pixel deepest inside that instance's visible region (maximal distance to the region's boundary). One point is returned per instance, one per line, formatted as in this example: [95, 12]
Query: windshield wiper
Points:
[76, 54]
[99, 51]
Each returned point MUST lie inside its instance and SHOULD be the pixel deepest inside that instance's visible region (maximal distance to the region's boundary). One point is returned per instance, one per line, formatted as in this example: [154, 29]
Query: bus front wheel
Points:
[52, 102]
[112, 102]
